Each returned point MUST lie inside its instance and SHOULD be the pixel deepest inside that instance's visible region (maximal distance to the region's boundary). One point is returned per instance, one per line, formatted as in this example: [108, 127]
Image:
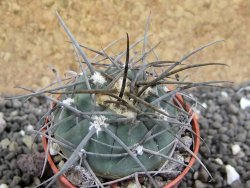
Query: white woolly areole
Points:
[98, 123]
[235, 149]
[180, 158]
[232, 174]
[139, 150]
[68, 101]
[98, 78]
[164, 117]
[187, 140]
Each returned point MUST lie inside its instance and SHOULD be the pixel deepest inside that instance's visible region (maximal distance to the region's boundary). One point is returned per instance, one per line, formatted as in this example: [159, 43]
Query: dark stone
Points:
[10, 156]
[212, 131]
[232, 162]
[203, 175]
[3, 167]
[247, 125]
[222, 130]
[241, 137]
[233, 109]
[16, 103]
[217, 117]
[230, 133]
[16, 180]
[233, 119]
[199, 184]
[225, 138]
[8, 174]
[32, 119]
[223, 100]
[13, 164]
[247, 184]
[246, 175]
[216, 125]
[26, 179]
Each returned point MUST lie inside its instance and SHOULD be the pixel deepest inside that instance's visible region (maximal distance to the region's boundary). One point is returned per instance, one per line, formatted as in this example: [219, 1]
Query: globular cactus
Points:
[121, 118]
[130, 120]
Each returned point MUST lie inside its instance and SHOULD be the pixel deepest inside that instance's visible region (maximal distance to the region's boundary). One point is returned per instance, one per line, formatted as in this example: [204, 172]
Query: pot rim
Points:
[173, 183]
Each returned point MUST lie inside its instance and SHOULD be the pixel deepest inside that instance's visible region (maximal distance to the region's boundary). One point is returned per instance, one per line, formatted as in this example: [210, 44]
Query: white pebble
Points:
[224, 94]
[22, 133]
[204, 105]
[219, 161]
[30, 128]
[244, 103]
[236, 149]
[232, 174]
[3, 185]
[2, 122]
[54, 149]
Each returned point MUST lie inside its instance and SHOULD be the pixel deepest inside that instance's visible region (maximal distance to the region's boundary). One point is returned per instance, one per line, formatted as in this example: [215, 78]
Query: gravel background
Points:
[223, 123]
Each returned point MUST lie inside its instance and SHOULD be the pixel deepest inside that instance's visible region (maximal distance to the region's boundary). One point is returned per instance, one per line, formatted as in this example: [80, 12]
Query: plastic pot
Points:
[172, 184]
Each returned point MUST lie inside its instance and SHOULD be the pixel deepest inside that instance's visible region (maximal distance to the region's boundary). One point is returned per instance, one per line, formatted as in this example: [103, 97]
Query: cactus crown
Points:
[119, 119]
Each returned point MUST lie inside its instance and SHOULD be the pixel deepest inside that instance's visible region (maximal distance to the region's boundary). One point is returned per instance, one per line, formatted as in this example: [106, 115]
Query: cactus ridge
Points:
[117, 118]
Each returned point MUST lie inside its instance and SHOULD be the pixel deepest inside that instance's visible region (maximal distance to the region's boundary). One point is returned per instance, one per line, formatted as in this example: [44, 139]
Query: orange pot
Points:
[173, 184]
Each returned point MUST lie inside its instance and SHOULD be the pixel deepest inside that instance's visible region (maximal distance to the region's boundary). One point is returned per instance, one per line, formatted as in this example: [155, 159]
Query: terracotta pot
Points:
[172, 184]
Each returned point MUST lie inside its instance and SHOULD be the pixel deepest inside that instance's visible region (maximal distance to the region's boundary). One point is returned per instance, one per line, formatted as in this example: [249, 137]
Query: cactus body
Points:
[73, 129]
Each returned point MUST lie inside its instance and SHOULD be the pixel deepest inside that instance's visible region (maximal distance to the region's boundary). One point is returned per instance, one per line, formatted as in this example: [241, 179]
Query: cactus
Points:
[120, 119]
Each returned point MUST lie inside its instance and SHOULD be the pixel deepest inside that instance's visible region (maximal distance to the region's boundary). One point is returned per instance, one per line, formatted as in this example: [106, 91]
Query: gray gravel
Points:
[222, 124]
[21, 156]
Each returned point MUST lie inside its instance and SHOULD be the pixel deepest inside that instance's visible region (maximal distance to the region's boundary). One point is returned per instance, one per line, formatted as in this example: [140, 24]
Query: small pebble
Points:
[244, 103]
[28, 141]
[29, 128]
[232, 174]
[224, 94]
[235, 149]
[2, 122]
[4, 186]
[15, 180]
[5, 143]
[22, 133]
[54, 149]
[200, 184]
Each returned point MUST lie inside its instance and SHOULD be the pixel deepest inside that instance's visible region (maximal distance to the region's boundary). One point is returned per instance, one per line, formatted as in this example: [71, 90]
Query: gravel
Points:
[223, 124]
[21, 156]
